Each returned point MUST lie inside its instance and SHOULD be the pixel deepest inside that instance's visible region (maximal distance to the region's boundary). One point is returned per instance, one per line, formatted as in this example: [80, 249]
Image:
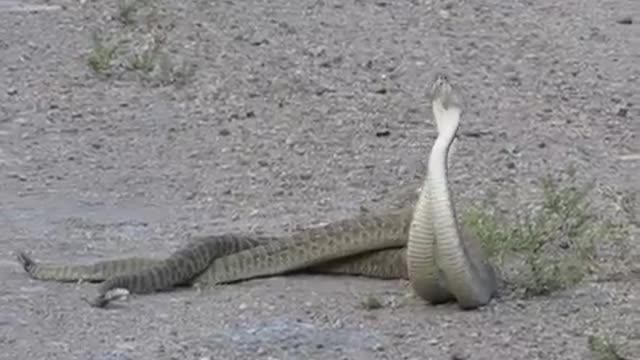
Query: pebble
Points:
[444, 14]
[111, 355]
[459, 356]
[18, 176]
[627, 20]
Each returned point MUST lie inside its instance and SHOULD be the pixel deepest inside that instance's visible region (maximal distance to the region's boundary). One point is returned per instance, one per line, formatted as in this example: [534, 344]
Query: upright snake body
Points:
[439, 264]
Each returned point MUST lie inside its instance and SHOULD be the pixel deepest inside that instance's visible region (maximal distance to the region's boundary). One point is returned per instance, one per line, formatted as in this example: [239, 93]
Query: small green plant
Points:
[553, 245]
[371, 303]
[602, 348]
[141, 48]
[628, 203]
[102, 54]
[145, 60]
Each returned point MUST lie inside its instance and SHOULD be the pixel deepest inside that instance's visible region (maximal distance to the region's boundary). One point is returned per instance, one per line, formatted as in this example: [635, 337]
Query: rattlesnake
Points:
[421, 244]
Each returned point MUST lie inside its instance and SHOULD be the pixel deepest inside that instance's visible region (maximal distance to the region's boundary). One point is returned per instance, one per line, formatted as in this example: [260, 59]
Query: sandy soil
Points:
[299, 113]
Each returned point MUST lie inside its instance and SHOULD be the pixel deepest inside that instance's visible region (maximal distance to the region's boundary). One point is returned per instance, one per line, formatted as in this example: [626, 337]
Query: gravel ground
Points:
[280, 114]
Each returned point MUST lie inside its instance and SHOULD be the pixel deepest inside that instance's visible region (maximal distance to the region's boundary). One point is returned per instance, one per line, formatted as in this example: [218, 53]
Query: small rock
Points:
[627, 20]
[623, 112]
[514, 78]
[289, 141]
[459, 356]
[12, 91]
[316, 51]
[323, 90]
[337, 60]
[383, 133]
[258, 42]
[18, 176]
[224, 132]
[111, 355]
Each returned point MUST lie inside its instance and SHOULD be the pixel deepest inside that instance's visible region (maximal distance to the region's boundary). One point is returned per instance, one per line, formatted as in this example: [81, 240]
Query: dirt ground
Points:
[285, 114]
